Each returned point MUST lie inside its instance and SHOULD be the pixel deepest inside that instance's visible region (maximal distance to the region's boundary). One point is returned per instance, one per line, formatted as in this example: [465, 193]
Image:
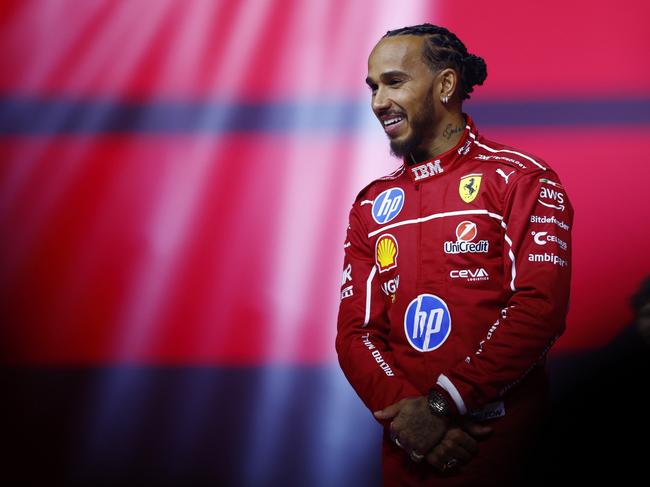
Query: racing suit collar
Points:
[426, 170]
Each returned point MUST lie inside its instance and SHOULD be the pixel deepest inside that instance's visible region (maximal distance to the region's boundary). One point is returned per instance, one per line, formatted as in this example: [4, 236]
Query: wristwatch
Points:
[438, 404]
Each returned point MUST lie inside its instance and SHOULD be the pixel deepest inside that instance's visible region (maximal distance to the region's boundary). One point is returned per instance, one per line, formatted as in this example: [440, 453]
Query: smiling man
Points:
[456, 275]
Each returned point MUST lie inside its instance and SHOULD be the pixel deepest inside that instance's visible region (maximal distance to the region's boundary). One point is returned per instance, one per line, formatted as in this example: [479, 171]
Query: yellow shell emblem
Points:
[469, 186]
[386, 252]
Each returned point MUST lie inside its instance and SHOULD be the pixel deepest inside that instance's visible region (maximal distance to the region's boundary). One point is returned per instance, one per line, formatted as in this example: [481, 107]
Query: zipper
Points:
[418, 249]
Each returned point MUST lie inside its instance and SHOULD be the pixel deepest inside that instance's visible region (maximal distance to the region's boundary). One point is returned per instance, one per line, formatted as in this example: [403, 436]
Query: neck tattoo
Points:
[451, 130]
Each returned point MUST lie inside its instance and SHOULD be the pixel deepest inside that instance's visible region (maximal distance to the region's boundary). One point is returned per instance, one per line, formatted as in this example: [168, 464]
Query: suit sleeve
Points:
[363, 327]
[537, 265]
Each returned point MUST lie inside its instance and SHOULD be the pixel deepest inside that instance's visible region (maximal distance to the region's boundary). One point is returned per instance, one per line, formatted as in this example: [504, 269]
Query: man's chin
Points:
[401, 148]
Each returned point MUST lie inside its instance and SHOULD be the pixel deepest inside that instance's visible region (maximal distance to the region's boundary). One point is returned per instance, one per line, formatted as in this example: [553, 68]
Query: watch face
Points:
[437, 404]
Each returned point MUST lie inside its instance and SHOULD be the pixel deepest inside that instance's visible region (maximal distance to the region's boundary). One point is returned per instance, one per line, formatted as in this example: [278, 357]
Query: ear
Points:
[447, 83]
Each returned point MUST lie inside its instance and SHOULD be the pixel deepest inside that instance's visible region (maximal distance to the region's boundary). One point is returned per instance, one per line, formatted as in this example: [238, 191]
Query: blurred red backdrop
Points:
[158, 160]
[175, 179]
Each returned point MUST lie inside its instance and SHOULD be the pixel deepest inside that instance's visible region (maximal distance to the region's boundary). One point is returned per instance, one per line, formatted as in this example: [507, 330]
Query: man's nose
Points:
[380, 101]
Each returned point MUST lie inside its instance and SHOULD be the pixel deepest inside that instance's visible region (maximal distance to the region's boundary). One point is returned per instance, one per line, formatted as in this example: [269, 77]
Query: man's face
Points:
[402, 93]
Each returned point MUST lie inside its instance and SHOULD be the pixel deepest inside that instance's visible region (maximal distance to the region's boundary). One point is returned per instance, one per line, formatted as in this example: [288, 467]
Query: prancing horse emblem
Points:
[469, 187]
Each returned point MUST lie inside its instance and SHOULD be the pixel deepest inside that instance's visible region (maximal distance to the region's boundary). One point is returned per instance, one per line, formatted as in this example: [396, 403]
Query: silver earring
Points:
[445, 99]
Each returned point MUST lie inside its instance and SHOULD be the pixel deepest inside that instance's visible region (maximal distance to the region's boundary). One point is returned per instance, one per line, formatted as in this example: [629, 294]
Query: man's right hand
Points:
[458, 446]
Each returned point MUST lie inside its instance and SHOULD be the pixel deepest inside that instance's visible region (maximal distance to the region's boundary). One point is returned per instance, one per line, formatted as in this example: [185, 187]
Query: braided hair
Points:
[442, 49]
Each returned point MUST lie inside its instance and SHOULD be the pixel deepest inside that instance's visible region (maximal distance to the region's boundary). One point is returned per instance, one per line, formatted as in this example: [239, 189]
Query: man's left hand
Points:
[414, 427]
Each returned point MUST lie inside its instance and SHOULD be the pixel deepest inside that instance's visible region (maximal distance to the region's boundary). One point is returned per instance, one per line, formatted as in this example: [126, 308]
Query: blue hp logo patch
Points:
[427, 322]
[388, 205]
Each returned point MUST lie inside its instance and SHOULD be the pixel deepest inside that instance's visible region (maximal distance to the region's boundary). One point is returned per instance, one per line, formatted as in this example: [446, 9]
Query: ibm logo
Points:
[427, 170]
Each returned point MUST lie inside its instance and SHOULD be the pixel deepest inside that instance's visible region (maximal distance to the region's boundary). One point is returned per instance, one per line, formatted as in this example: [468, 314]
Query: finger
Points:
[394, 437]
[388, 412]
[456, 436]
[441, 463]
[434, 459]
[447, 449]
[416, 457]
[460, 454]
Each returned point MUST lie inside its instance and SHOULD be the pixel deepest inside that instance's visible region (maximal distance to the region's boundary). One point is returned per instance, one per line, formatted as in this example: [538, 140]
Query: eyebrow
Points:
[387, 74]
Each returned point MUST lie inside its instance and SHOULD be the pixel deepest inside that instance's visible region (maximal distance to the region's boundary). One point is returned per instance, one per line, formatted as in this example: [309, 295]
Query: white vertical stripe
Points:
[447, 385]
[373, 271]
[513, 270]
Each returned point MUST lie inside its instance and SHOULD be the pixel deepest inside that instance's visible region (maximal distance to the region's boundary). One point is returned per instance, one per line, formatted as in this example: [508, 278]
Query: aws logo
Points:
[551, 197]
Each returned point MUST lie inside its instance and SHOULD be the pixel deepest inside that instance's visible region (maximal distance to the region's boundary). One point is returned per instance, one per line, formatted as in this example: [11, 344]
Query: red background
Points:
[224, 246]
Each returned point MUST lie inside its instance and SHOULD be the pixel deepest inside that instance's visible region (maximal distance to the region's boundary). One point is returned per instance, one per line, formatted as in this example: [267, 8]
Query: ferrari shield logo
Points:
[469, 186]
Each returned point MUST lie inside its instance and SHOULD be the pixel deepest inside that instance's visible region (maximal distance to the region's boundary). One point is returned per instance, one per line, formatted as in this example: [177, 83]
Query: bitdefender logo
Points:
[549, 219]
[466, 232]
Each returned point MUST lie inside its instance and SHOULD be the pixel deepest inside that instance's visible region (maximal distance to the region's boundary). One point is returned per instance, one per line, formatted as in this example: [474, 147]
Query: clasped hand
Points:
[421, 433]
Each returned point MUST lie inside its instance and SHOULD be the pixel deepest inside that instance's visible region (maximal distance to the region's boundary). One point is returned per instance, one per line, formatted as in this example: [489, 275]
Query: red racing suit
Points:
[456, 277]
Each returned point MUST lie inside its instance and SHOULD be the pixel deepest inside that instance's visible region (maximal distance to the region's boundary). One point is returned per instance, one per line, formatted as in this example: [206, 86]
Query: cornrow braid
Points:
[443, 49]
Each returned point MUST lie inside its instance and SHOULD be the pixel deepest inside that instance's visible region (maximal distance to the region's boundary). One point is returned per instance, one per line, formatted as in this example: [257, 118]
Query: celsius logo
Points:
[466, 231]
[388, 205]
[542, 238]
[427, 322]
[539, 237]
[386, 252]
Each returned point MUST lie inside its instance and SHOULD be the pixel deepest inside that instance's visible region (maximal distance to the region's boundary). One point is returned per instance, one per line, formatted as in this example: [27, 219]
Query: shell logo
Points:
[386, 251]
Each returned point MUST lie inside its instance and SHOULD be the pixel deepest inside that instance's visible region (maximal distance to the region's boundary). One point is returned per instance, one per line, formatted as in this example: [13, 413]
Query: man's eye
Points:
[394, 81]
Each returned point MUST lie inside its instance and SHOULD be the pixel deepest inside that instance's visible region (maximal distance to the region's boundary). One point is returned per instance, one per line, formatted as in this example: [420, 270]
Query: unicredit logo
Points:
[466, 232]
[481, 246]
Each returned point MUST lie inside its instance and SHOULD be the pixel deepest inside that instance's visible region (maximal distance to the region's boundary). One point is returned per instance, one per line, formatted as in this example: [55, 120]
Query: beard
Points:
[421, 122]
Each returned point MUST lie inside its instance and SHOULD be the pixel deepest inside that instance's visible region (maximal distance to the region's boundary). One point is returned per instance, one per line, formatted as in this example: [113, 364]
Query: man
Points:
[456, 275]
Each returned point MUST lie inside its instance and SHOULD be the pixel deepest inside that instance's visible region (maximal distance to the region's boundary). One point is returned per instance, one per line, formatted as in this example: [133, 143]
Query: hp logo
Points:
[427, 322]
[388, 205]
